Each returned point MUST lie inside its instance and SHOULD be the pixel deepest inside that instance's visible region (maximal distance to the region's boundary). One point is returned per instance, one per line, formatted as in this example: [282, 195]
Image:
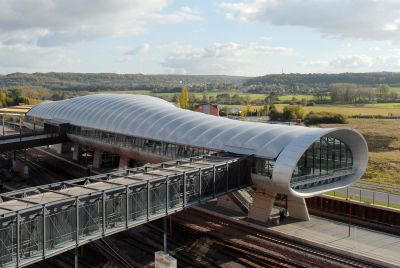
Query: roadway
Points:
[379, 197]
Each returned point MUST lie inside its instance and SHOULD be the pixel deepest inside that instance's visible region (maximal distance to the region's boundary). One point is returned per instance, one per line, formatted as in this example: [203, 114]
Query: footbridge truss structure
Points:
[40, 222]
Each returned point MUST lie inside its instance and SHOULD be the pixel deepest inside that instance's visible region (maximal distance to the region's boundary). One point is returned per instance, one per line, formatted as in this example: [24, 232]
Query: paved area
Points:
[371, 243]
[363, 241]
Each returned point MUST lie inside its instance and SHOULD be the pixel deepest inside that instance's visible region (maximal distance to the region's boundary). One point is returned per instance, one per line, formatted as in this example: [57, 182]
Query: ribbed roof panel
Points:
[154, 118]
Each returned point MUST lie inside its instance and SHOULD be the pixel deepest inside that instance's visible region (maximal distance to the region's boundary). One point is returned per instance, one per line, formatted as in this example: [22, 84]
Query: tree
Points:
[205, 99]
[269, 102]
[291, 113]
[274, 114]
[248, 111]
[175, 98]
[184, 98]
[313, 118]
[383, 91]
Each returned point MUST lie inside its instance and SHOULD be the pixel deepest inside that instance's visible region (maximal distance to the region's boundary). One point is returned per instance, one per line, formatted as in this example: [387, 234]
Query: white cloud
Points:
[365, 19]
[54, 22]
[365, 63]
[143, 48]
[226, 58]
[353, 61]
[26, 57]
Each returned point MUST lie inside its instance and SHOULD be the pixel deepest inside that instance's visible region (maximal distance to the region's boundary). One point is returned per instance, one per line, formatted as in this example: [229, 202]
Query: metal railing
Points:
[329, 173]
[40, 222]
[368, 196]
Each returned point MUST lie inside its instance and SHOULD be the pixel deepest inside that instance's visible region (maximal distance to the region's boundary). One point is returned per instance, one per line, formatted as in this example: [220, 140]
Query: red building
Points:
[207, 109]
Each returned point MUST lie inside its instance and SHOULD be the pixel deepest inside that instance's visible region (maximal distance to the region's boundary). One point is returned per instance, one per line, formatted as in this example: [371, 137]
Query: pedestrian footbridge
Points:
[40, 222]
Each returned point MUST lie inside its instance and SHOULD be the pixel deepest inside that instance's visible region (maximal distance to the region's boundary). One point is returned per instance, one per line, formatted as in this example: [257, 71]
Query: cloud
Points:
[364, 19]
[365, 63]
[222, 58]
[26, 57]
[54, 22]
[143, 48]
[353, 61]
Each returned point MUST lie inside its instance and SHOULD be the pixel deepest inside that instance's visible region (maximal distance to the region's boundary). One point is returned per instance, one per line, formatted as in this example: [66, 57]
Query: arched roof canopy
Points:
[153, 118]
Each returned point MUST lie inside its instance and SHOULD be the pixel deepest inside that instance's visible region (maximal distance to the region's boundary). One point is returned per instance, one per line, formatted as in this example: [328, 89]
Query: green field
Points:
[382, 109]
[395, 89]
[251, 96]
[298, 97]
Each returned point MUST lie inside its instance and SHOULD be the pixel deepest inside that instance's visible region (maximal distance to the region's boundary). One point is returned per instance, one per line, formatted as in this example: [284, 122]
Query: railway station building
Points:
[296, 161]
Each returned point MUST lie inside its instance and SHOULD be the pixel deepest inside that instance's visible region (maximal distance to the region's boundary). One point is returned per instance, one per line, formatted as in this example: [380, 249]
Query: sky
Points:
[230, 37]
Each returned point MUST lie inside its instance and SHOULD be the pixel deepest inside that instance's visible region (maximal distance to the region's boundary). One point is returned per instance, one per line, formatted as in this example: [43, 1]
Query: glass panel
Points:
[323, 157]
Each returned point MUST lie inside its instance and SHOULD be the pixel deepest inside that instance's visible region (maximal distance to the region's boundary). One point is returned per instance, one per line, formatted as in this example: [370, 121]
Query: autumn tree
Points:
[184, 98]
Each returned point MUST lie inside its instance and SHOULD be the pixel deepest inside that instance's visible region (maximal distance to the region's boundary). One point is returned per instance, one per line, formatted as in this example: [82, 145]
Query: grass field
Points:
[251, 96]
[298, 97]
[351, 110]
[396, 89]
[383, 138]
[383, 109]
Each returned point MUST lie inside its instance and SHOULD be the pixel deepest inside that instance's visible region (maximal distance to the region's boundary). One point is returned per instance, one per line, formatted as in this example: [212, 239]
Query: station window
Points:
[323, 157]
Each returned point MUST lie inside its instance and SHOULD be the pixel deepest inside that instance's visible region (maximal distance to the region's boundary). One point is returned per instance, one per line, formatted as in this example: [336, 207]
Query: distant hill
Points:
[326, 79]
[112, 81]
[197, 83]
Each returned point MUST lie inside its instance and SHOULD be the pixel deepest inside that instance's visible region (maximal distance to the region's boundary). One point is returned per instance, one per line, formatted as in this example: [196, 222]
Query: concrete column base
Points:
[97, 159]
[164, 260]
[123, 162]
[77, 152]
[61, 148]
[262, 205]
[20, 168]
[297, 208]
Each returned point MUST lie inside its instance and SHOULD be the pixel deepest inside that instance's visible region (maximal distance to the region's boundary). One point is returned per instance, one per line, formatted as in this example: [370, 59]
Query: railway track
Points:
[112, 254]
[242, 237]
[219, 253]
[231, 242]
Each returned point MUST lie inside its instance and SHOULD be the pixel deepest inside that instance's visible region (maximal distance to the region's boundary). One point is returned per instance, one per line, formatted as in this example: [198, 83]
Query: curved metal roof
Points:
[154, 118]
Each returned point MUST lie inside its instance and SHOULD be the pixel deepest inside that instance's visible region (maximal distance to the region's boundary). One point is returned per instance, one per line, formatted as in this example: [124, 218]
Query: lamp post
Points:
[349, 199]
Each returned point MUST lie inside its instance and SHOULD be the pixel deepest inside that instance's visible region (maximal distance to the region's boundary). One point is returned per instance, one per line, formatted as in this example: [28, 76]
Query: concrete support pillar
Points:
[123, 162]
[19, 167]
[61, 148]
[164, 260]
[262, 206]
[76, 151]
[97, 159]
[297, 208]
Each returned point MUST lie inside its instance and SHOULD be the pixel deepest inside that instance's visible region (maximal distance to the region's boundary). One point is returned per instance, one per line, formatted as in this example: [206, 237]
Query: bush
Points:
[291, 113]
[275, 115]
[325, 118]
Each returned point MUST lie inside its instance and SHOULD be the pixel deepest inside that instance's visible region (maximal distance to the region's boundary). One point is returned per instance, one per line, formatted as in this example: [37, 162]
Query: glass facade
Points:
[263, 167]
[170, 150]
[324, 157]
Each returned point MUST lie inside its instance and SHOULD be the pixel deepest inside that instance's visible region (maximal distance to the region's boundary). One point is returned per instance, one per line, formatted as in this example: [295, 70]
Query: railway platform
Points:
[325, 233]
[362, 241]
